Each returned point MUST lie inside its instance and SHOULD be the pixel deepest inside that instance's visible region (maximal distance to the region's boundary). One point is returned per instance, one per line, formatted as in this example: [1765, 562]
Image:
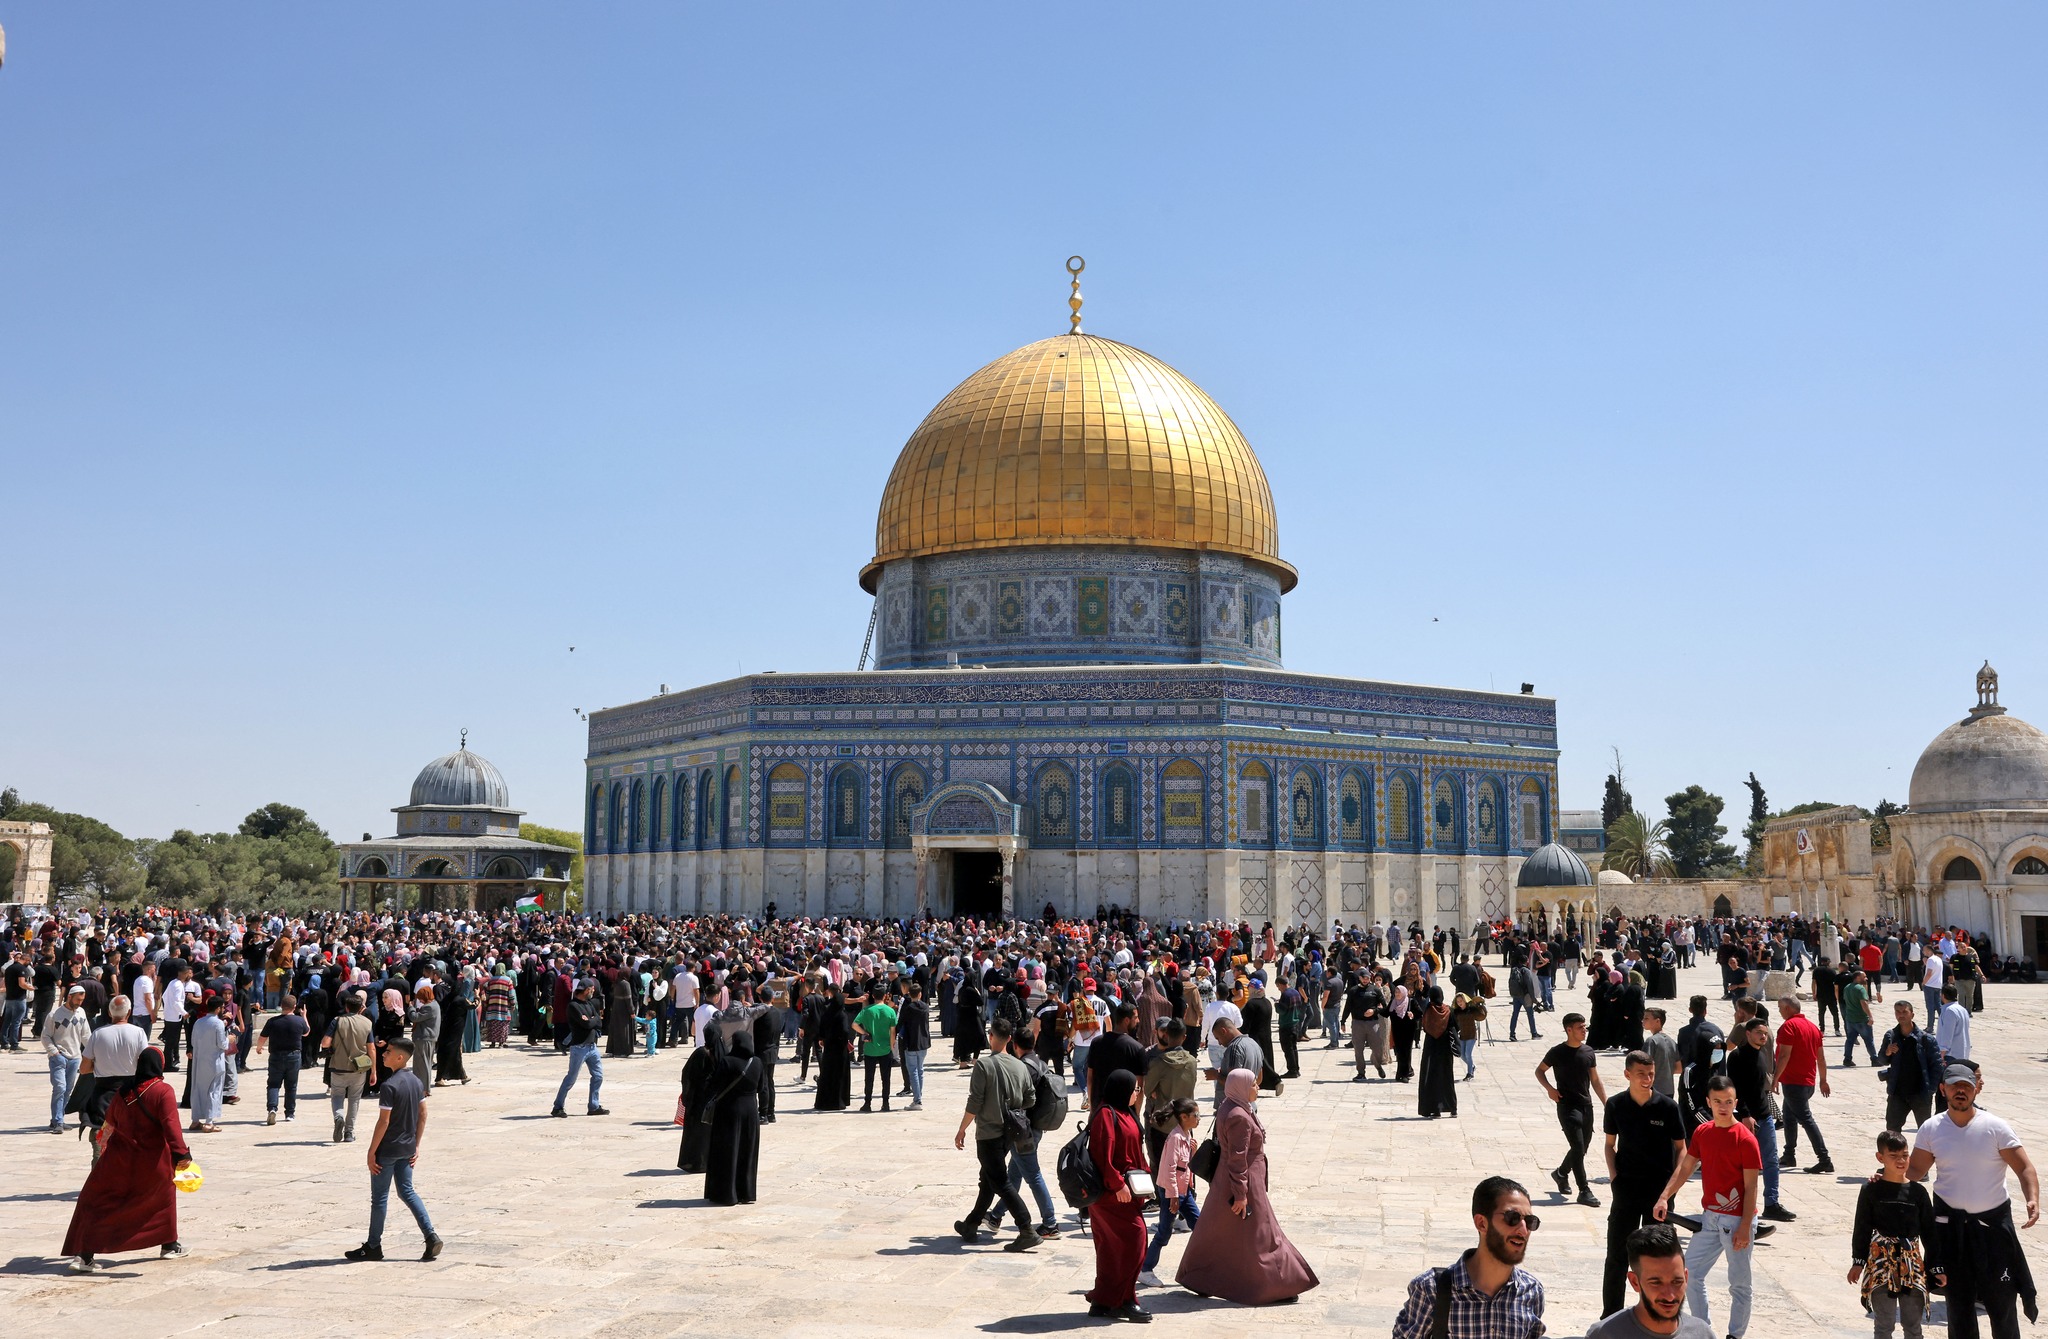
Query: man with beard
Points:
[1656, 1270]
[1726, 1154]
[1487, 1294]
[1969, 1152]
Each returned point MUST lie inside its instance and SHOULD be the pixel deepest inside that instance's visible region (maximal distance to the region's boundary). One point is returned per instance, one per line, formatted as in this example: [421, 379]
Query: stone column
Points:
[1009, 880]
[816, 879]
[1149, 883]
[2003, 932]
[924, 864]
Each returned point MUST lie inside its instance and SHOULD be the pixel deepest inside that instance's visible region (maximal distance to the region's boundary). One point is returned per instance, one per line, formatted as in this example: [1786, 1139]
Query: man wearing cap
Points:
[585, 1028]
[1969, 1151]
[65, 1030]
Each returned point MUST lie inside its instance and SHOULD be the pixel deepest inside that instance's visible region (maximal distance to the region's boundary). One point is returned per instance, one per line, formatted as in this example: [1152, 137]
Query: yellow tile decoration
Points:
[1077, 440]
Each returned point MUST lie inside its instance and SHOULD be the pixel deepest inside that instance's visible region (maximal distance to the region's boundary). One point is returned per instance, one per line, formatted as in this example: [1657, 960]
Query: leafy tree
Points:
[1614, 801]
[10, 800]
[8, 858]
[1753, 831]
[534, 832]
[1815, 806]
[278, 820]
[87, 857]
[1637, 847]
[1696, 832]
[1881, 826]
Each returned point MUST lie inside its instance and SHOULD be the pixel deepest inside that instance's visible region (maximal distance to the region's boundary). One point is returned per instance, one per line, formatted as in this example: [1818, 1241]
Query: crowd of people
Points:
[1124, 1018]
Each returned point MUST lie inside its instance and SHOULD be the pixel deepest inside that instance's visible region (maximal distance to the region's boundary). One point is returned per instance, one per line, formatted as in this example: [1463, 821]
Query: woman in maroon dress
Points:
[1117, 1220]
[1237, 1250]
[129, 1203]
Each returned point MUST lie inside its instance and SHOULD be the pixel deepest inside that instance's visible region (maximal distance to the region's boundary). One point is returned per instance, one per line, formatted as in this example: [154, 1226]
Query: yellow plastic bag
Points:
[188, 1178]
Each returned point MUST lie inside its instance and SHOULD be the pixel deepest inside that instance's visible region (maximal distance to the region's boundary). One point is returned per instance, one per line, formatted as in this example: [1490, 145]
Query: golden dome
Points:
[1077, 440]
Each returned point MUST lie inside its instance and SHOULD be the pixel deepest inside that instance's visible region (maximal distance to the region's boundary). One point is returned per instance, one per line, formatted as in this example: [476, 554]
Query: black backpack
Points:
[1048, 1097]
[1080, 1180]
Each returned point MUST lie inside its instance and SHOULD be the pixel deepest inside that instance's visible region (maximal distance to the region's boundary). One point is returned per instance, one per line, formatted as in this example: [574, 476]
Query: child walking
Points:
[1176, 1184]
[1895, 1244]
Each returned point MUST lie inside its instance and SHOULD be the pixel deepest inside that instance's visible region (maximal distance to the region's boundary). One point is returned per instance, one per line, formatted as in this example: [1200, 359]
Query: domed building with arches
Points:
[458, 846]
[1971, 849]
[1078, 699]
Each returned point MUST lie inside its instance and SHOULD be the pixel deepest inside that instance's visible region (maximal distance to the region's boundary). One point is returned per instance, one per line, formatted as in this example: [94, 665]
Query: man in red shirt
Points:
[1729, 1162]
[1802, 1063]
[1872, 956]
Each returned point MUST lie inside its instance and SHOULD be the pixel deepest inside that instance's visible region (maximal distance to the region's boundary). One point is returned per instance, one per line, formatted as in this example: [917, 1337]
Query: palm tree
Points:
[1639, 848]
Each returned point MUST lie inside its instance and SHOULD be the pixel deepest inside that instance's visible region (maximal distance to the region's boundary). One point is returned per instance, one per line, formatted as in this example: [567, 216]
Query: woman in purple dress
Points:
[1237, 1251]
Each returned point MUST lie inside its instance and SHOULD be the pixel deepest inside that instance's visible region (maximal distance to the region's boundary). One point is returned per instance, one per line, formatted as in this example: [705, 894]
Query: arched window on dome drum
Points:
[707, 808]
[2031, 865]
[639, 815]
[1054, 793]
[618, 833]
[1119, 804]
[1489, 823]
[1401, 825]
[786, 795]
[1535, 813]
[681, 806]
[735, 832]
[906, 792]
[593, 834]
[1254, 803]
[660, 804]
[1305, 809]
[1352, 795]
[1181, 807]
[846, 804]
[1962, 869]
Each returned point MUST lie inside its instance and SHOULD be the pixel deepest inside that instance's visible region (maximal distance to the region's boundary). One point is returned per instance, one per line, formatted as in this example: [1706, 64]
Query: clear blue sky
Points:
[356, 361]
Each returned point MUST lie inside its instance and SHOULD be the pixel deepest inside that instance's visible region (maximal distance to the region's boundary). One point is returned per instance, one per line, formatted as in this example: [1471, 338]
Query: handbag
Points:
[1139, 1182]
[682, 1116]
[1207, 1158]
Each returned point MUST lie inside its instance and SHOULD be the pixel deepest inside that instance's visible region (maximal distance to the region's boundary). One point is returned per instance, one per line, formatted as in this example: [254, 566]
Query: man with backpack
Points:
[1000, 1098]
[1048, 1113]
[1486, 1294]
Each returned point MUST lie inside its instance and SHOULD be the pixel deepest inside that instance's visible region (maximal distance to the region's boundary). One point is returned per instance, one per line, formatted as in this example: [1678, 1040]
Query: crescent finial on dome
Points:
[1074, 267]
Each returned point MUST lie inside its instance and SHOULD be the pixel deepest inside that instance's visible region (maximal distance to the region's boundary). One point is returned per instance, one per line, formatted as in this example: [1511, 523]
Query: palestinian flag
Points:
[527, 904]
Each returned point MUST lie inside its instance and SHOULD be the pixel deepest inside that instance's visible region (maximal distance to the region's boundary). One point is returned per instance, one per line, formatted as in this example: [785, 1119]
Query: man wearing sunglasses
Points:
[1487, 1294]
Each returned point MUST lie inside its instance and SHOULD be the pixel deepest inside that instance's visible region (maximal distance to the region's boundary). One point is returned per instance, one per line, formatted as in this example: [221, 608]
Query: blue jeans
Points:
[1522, 1007]
[1549, 983]
[63, 1074]
[579, 1056]
[1933, 998]
[1717, 1234]
[399, 1170]
[1851, 1032]
[1766, 1133]
[1023, 1170]
[1184, 1207]
[913, 1074]
[11, 1015]
[284, 1081]
[1465, 1049]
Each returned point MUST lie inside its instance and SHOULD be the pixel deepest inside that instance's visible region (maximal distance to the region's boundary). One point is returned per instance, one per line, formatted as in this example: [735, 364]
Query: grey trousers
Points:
[1906, 1308]
[345, 1092]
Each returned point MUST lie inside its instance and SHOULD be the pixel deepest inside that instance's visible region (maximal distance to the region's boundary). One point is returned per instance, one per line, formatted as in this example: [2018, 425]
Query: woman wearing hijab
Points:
[835, 1063]
[1436, 1089]
[468, 987]
[735, 1118]
[318, 1007]
[500, 1000]
[1117, 1220]
[618, 1019]
[128, 1202]
[208, 1068]
[426, 1033]
[1257, 1012]
[456, 1014]
[970, 1027]
[1401, 1022]
[1237, 1250]
[388, 1026]
[699, 1074]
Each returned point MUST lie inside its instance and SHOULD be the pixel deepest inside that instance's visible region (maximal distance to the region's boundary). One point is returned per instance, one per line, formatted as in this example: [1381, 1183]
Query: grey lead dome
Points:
[1989, 760]
[460, 778]
[1554, 866]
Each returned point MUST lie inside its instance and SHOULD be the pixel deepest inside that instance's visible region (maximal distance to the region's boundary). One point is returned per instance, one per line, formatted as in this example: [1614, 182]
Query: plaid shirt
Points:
[1515, 1312]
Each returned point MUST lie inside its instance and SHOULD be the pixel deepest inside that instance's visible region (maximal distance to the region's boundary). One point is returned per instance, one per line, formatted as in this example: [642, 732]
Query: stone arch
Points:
[1255, 821]
[1354, 808]
[658, 804]
[1946, 849]
[679, 824]
[640, 826]
[1489, 818]
[620, 827]
[1404, 829]
[788, 802]
[1052, 794]
[1118, 799]
[907, 787]
[1961, 869]
[2032, 846]
[1534, 807]
[1447, 813]
[1723, 907]
[1183, 804]
[593, 836]
[733, 824]
[1305, 809]
[844, 824]
[707, 809]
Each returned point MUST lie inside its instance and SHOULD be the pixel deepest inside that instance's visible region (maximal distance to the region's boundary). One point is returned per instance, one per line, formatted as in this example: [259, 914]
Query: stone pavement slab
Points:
[582, 1227]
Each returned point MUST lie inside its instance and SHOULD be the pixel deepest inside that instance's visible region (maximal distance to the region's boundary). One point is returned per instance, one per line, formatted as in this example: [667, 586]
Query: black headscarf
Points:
[1117, 1089]
[149, 1065]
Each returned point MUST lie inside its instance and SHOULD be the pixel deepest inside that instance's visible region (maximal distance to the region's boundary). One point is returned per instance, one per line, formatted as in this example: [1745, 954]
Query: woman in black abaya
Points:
[700, 1073]
[835, 1066]
[1436, 1089]
[735, 1126]
[448, 1045]
[618, 1022]
[970, 1030]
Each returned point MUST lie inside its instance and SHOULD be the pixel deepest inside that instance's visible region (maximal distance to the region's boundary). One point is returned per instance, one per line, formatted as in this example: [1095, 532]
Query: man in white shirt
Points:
[65, 1029]
[145, 1002]
[174, 1012]
[1934, 977]
[1215, 1009]
[1952, 1027]
[1970, 1151]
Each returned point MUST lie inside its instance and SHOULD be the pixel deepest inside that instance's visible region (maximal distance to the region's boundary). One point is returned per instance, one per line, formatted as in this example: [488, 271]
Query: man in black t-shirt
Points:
[46, 978]
[395, 1151]
[284, 1037]
[15, 979]
[1115, 1049]
[1578, 1078]
[1645, 1134]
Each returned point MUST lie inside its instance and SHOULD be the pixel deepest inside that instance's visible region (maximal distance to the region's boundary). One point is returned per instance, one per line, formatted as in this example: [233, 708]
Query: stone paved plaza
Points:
[583, 1227]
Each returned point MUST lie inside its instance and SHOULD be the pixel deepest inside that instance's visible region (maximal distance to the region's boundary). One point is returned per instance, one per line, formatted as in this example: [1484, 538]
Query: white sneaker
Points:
[1147, 1279]
[83, 1267]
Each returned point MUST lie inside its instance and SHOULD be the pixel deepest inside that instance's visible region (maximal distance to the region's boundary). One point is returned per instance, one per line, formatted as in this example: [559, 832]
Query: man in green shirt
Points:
[1856, 1019]
[876, 1028]
[998, 1084]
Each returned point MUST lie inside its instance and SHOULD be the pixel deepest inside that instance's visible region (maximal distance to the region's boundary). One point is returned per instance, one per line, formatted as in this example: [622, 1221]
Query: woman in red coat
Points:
[128, 1202]
[1117, 1220]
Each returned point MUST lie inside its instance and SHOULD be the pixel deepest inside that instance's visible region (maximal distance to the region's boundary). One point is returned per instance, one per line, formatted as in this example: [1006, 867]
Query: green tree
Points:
[8, 857]
[1637, 847]
[10, 800]
[1881, 825]
[278, 820]
[1753, 831]
[87, 858]
[1696, 832]
[534, 832]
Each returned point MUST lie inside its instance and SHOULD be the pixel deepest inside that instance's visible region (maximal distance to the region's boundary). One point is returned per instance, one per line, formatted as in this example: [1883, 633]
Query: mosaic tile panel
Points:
[1092, 606]
[1173, 609]
[971, 611]
[935, 620]
[1011, 619]
[1052, 607]
[1135, 607]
